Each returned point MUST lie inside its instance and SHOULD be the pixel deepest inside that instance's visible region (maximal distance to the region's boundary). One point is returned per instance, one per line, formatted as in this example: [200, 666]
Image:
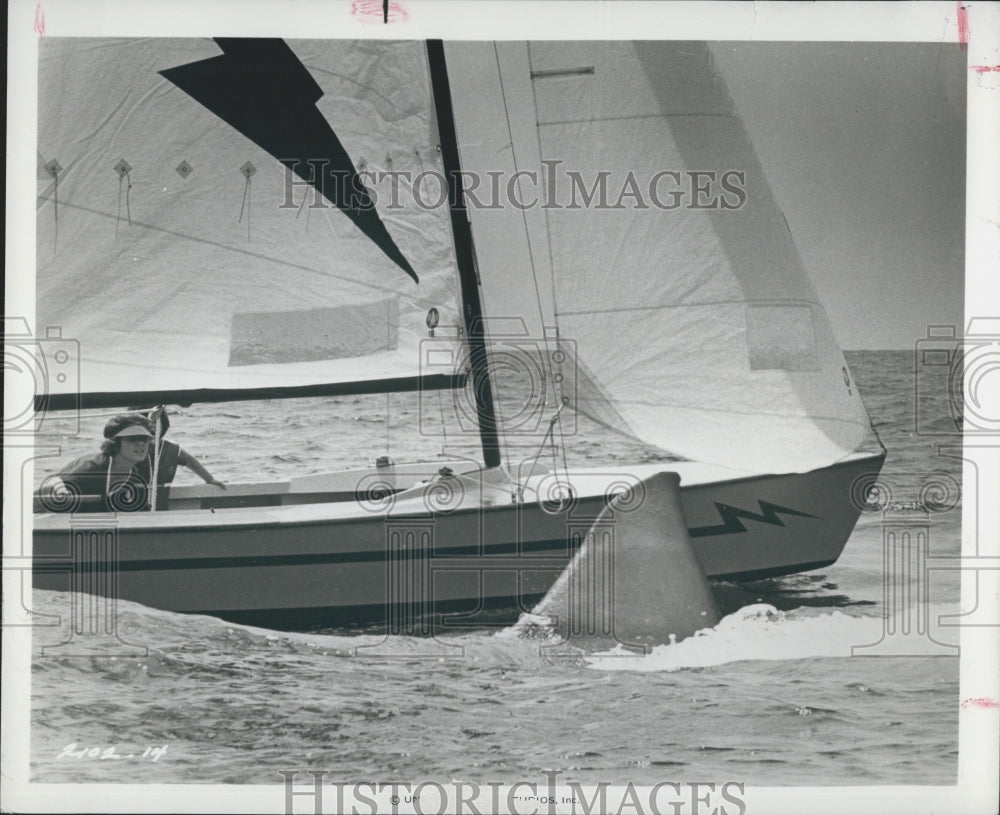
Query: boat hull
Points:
[456, 550]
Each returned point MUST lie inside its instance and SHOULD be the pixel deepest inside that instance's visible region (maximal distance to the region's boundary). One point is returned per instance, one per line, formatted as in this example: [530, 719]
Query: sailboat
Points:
[215, 225]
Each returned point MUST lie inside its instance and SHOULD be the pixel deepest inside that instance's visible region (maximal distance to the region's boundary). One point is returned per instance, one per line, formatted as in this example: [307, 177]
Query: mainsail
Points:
[181, 243]
[188, 260]
[656, 247]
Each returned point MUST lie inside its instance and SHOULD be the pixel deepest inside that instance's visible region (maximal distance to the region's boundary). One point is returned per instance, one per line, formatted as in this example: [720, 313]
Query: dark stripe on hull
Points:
[198, 581]
[449, 615]
[557, 548]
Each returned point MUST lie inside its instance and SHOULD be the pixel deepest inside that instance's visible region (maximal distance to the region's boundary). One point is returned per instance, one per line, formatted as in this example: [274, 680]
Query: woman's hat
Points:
[164, 419]
[127, 424]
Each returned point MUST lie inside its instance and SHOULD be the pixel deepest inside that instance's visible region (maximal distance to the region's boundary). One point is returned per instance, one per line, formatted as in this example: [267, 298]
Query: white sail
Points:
[676, 282]
[183, 256]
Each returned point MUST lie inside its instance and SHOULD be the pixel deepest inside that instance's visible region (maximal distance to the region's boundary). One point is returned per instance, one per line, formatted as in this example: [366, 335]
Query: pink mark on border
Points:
[963, 23]
[986, 69]
[981, 702]
[374, 11]
[39, 20]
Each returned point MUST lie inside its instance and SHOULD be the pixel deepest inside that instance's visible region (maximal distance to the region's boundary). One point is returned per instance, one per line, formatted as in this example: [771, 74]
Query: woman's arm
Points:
[189, 461]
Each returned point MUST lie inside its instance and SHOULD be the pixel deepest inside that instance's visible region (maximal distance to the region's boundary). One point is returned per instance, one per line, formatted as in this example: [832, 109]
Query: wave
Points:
[761, 632]
[149, 642]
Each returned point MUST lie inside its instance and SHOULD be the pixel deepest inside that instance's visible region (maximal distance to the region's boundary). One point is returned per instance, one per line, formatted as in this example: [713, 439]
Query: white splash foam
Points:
[761, 632]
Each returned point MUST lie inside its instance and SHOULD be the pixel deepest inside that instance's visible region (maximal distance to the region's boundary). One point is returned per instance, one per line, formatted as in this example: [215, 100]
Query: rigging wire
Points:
[302, 206]
[541, 445]
[55, 211]
[546, 362]
[156, 459]
[444, 426]
[387, 409]
[272, 257]
[128, 198]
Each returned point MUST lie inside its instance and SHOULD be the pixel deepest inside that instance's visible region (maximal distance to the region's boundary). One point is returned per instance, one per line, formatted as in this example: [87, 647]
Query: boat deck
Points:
[395, 491]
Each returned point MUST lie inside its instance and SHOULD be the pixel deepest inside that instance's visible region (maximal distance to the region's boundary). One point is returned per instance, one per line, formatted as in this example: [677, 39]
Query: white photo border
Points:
[974, 22]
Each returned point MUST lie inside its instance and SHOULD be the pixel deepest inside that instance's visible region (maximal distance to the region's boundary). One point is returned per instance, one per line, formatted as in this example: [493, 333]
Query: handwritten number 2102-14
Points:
[105, 753]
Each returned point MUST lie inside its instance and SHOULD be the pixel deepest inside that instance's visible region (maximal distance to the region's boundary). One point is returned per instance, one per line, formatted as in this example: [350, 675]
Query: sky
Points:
[864, 146]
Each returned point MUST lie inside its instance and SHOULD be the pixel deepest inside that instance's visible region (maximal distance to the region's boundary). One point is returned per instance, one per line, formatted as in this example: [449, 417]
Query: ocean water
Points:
[772, 695]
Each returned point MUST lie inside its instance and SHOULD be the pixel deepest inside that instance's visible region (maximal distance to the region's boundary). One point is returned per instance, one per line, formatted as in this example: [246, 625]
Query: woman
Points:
[172, 455]
[116, 479]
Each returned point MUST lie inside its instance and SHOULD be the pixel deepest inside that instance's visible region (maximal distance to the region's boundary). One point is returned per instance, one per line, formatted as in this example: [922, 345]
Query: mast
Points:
[472, 306]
